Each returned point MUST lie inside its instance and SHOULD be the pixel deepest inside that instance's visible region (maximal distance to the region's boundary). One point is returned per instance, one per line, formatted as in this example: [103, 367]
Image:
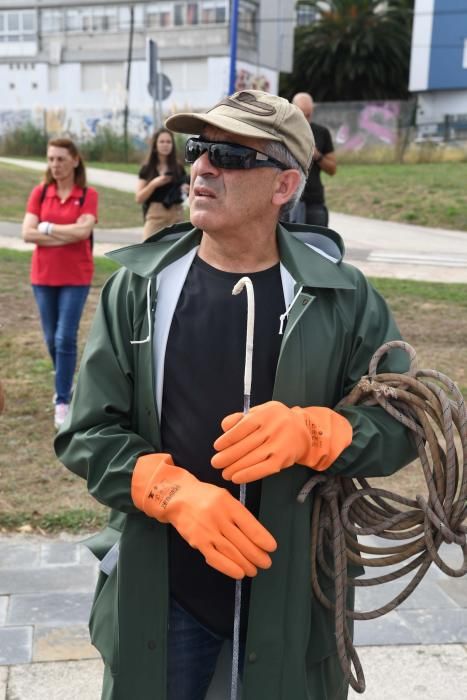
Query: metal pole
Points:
[153, 79]
[159, 92]
[233, 44]
[128, 76]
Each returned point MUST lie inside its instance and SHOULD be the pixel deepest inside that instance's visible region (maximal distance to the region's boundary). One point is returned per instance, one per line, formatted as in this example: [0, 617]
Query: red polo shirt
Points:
[70, 264]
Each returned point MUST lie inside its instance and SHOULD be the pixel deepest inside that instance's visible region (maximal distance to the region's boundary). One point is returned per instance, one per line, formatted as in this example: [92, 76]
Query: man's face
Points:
[226, 200]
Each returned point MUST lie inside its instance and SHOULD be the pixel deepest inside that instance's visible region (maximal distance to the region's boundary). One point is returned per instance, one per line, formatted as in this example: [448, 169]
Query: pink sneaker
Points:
[61, 412]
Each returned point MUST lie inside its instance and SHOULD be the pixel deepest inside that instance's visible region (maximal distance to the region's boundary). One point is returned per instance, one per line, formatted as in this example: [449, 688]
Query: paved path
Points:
[418, 652]
[378, 248]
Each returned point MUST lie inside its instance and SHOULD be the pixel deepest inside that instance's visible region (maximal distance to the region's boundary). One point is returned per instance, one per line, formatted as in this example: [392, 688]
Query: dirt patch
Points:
[31, 478]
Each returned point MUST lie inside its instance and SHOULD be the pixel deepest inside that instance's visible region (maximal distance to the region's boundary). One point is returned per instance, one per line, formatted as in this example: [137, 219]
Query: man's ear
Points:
[286, 184]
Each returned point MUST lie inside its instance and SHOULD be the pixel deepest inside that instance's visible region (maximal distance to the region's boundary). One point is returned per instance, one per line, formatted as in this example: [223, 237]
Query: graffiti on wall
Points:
[246, 80]
[372, 123]
[13, 119]
[83, 124]
[354, 125]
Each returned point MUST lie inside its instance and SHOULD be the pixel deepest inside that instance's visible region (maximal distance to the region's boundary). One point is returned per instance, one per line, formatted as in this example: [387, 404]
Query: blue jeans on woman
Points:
[192, 656]
[60, 309]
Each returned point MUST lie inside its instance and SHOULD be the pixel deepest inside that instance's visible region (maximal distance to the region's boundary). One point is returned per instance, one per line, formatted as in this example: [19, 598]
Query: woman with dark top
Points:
[162, 180]
[59, 219]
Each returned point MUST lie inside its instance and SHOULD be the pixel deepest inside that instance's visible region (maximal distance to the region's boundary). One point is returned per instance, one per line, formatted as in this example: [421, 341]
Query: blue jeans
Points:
[60, 309]
[192, 656]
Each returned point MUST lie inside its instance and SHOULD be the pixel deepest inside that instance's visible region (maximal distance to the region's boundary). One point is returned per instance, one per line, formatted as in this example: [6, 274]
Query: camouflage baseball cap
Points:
[256, 114]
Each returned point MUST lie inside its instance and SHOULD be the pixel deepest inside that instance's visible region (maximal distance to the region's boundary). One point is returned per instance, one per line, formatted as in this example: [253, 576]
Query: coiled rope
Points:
[433, 408]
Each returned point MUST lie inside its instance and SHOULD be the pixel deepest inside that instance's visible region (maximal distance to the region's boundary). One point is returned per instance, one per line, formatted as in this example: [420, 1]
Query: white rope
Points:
[246, 283]
[243, 283]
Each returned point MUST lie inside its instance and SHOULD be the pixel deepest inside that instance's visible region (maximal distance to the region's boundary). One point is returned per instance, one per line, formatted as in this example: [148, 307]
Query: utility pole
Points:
[233, 43]
[128, 76]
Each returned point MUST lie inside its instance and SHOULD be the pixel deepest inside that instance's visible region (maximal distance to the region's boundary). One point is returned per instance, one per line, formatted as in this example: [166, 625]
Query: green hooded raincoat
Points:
[335, 324]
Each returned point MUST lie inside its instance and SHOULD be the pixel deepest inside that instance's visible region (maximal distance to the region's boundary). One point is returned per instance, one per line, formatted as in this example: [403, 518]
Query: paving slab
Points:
[56, 552]
[432, 626]
[424, 596]
[17, 555]
[62, 644]
[15, 645]
[456, 588]
[414, 673]
[389, 629]
[43, 579]
[66, 680]
[55, 609]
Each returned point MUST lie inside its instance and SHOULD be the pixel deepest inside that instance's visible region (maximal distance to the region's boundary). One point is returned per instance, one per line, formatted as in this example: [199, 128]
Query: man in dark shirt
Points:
[157, 427]
[324, 159]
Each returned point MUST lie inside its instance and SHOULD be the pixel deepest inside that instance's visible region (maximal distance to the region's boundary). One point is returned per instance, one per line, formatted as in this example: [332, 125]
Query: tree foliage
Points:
[355, 50]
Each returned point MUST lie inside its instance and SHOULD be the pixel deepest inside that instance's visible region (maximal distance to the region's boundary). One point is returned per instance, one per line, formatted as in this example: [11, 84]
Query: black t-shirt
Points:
[203, 382]
[160, 193]
[314, 190]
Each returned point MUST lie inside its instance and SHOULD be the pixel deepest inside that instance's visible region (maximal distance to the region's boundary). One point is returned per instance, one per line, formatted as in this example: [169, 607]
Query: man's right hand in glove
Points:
[208, 517]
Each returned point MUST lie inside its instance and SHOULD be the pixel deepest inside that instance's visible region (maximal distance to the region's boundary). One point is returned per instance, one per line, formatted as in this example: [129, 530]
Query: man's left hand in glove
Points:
[272, 437]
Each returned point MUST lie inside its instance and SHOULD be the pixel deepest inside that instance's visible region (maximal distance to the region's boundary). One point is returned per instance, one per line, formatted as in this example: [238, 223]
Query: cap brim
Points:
[192, 123]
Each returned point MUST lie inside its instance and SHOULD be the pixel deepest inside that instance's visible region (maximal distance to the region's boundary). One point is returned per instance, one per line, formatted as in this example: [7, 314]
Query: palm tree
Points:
[355, 50]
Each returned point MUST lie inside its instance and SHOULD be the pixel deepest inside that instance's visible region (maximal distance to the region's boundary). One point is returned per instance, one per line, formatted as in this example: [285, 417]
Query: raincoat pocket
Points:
[103, 621]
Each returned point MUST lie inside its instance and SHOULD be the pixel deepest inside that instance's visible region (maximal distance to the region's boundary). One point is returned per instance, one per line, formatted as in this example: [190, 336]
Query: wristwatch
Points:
[45, 227]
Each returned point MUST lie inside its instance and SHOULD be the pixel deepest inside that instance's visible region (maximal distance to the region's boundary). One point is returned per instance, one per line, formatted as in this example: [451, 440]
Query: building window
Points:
[179, 14]
[247, 17]
[17, 26]
[213, 12]
[305, 15]
[192, 13]
[159, 15]
[52, 21]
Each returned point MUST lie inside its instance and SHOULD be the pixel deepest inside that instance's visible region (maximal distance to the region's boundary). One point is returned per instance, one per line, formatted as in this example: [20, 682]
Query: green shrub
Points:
[108, 145]
[26, 140]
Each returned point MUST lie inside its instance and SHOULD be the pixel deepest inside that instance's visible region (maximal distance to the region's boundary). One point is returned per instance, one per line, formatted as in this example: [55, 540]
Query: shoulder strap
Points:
[81, 202]
[43, 193]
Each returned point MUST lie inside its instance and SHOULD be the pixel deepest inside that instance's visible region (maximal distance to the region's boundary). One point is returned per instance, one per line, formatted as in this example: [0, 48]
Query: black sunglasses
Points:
[231, 156]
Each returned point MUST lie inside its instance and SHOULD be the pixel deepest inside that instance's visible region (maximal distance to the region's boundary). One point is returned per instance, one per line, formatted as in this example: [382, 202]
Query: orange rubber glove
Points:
[271, 437]
[209, 518]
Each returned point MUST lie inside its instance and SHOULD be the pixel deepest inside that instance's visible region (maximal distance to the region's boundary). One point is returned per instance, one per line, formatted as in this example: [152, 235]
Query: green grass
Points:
[116, 209]
[421, 291]
[132, 168]
[70, 520]
[426, 194]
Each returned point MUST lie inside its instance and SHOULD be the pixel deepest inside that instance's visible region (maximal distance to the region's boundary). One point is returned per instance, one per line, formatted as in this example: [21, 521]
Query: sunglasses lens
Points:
[193, 150]
[228, 156]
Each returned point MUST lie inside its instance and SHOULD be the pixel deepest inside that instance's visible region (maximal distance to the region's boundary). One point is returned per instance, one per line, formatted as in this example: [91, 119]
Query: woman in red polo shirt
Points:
[59, 219]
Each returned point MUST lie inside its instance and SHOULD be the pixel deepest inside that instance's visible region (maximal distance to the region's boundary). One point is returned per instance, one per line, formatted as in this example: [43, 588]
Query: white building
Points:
[438, 67]
[66, 63]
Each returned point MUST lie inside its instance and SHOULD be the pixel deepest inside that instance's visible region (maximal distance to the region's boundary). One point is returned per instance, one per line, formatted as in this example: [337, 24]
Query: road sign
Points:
[161, 88]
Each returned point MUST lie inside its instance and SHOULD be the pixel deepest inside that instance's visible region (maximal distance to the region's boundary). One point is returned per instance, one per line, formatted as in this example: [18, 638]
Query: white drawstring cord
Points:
[148, 310]
[244, 282]
[283, 317]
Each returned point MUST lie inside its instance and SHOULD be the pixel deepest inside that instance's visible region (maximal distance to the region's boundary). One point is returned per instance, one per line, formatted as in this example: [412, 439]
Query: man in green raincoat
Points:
[156, 424]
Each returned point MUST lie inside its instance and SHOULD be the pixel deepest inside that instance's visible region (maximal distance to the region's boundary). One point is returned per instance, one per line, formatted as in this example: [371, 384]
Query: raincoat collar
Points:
[316, 264]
